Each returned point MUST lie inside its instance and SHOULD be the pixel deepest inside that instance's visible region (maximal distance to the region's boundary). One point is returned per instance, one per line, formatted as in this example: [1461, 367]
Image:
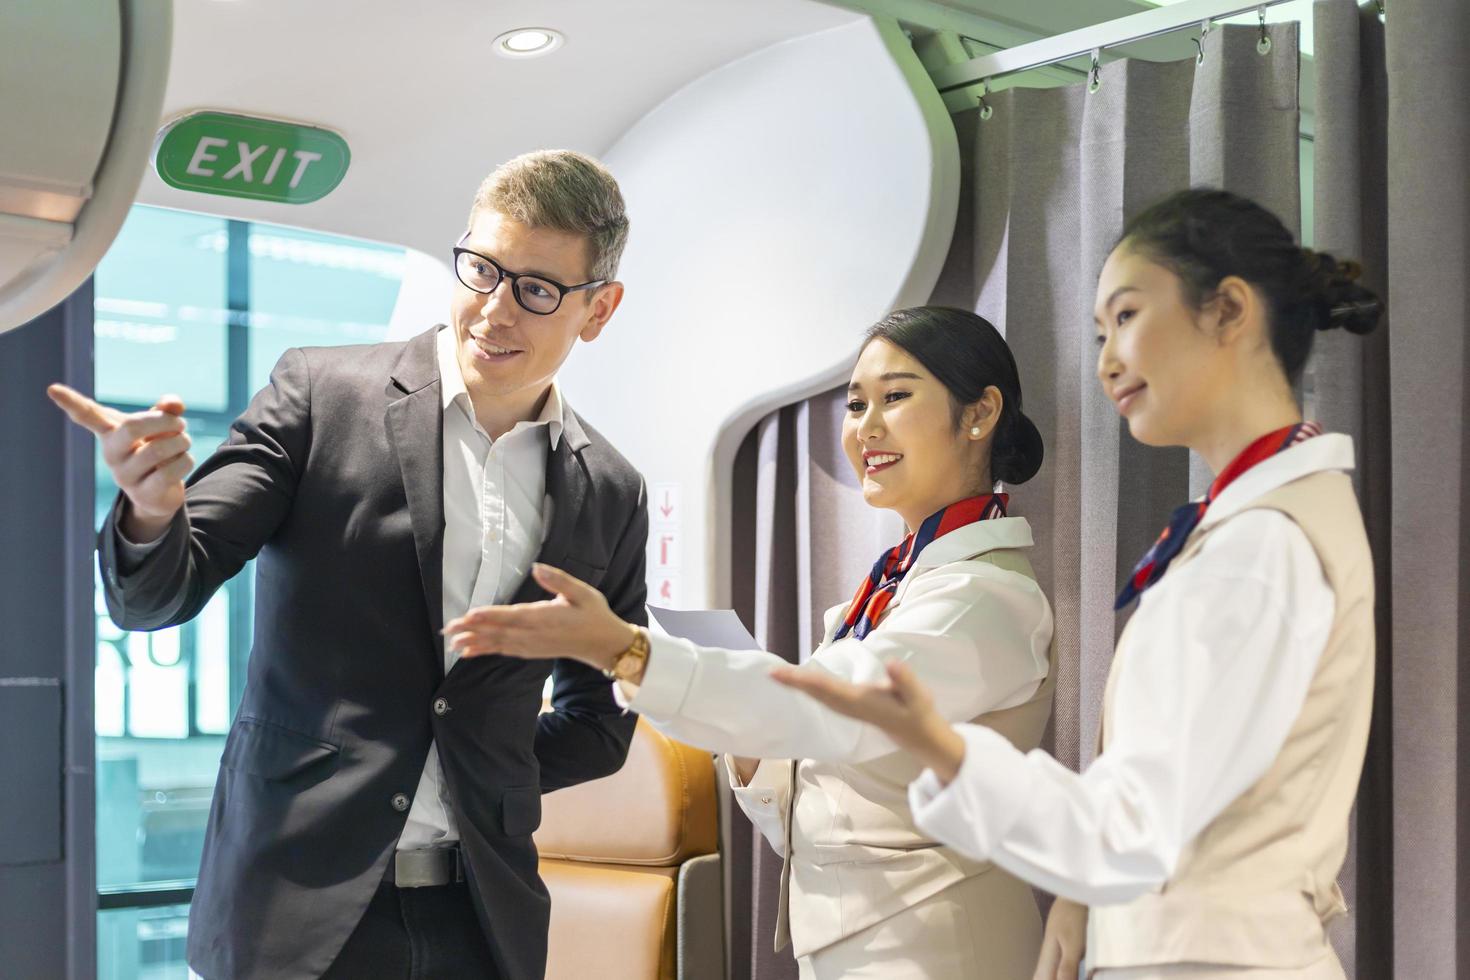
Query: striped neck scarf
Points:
[881, 585]
[1155, 562]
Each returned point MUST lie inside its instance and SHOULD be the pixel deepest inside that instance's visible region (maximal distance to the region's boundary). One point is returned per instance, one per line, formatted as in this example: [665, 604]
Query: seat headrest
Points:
[659, 810]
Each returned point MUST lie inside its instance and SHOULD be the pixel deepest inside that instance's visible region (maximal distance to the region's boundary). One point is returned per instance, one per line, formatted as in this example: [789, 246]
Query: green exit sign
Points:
[259, 159]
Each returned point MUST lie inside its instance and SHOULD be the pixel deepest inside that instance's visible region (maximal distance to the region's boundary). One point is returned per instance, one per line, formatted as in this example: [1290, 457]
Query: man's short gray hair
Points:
[565, 191]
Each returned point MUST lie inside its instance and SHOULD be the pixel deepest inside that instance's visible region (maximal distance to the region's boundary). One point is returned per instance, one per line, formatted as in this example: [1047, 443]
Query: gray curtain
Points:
[1346, 389]
[803, 539]
[1390, 103]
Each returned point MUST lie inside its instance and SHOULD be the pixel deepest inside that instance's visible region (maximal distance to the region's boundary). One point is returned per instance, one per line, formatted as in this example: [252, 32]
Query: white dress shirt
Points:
[495, 517]
[1219, 658]
[726, 701]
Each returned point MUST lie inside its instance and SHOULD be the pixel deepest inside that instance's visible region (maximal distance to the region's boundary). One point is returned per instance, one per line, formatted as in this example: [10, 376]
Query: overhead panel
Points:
[81, 87]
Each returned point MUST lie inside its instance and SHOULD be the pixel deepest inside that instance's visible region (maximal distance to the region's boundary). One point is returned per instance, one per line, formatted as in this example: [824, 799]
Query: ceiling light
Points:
[528, 42]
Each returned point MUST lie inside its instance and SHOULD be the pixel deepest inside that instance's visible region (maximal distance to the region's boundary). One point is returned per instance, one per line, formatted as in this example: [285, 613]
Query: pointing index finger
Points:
[82, 410]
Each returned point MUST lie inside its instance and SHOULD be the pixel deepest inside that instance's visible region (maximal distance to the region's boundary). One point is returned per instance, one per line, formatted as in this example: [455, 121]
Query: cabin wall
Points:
[779, 206]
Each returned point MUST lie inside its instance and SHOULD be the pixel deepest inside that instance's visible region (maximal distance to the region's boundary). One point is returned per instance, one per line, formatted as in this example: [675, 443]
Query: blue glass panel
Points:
[164, 700]
[308, 289]
[142, 944]
[161, 311]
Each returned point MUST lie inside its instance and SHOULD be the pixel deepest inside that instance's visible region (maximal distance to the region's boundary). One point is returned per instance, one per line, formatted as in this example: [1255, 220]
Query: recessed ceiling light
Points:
[528, 42]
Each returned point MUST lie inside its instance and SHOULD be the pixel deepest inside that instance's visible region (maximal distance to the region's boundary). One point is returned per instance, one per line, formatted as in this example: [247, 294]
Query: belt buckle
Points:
[427, 867]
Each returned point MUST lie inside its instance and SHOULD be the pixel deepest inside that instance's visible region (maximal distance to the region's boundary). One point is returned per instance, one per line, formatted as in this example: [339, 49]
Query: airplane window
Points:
[202, 307]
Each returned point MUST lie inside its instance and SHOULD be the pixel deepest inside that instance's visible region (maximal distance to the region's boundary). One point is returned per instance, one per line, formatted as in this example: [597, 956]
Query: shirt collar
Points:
[1329, 451]
[975, 539]
[452, 391]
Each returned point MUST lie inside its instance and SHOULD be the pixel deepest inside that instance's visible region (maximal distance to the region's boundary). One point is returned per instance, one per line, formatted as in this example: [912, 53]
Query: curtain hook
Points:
[1263, 46]
[1199, 42]
[1204, 33]
[986, 109]
[1095, 81]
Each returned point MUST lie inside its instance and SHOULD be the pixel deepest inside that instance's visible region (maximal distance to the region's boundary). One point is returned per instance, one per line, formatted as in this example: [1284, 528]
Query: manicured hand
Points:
[575, 623]
[900, 706]
[1063, 943]
[147, 452]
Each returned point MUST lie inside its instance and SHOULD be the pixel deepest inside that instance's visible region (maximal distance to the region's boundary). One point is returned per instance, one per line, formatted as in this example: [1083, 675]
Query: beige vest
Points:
[1257, 886]
[858, 857]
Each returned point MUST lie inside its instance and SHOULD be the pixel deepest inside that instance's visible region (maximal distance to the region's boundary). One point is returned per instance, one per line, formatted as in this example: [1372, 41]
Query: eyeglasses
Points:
[535, 294]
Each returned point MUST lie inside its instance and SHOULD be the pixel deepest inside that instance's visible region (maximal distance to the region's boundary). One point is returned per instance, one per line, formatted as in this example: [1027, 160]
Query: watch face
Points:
[629, 664]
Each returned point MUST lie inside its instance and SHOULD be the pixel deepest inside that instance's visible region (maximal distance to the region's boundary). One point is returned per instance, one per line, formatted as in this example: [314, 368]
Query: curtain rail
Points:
[1082, 42]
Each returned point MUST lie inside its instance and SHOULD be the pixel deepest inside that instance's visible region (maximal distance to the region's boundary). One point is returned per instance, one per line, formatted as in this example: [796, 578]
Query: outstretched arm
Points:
[195, 536]
[979, 637]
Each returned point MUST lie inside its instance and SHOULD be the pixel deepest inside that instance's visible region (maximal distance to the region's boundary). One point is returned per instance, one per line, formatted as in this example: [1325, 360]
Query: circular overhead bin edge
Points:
[147, 38]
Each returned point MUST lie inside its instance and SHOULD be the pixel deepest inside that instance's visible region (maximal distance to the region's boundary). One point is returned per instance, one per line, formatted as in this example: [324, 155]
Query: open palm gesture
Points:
[901, 707]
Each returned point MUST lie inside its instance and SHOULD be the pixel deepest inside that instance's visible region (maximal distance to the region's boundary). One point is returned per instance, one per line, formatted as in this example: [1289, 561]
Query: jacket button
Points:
[441, 706]
[400, 802]
[766, 800]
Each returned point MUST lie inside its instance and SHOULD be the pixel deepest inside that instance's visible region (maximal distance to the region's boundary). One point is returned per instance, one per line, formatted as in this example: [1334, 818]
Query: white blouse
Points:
[977, 635]
[1220, 656]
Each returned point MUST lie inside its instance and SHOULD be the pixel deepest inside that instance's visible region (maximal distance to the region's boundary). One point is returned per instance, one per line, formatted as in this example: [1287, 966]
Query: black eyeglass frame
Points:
[515, 286]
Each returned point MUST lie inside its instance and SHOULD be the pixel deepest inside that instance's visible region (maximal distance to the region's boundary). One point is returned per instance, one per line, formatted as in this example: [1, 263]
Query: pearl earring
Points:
[975, 431]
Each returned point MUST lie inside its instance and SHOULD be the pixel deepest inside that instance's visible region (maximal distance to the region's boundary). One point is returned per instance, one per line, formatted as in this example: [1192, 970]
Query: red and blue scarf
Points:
[1155, 562]
[881, 585]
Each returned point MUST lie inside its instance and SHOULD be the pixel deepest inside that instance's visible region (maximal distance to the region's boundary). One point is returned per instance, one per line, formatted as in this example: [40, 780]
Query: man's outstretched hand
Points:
[147, 452]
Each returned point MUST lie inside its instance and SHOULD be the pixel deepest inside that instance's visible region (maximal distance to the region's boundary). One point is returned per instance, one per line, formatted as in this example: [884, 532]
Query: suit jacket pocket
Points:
[520, 810]
[269, 751]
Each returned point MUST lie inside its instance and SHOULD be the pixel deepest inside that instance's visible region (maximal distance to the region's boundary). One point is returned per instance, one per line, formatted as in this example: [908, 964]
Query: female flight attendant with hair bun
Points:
[1207, 836]
[934, 420]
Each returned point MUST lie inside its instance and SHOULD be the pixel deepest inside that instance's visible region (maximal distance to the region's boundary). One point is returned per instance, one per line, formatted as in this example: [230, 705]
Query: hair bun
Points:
[1018, 450]
[1340, 299]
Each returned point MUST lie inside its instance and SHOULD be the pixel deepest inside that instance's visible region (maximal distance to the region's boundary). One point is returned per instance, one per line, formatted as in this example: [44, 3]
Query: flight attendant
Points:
[934, 420]
[1207, 836]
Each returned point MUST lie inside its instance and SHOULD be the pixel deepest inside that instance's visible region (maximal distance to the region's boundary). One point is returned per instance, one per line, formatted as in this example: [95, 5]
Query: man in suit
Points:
[376, 795]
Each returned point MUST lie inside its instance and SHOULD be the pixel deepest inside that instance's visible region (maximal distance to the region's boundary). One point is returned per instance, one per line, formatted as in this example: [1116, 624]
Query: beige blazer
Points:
[1257, 887]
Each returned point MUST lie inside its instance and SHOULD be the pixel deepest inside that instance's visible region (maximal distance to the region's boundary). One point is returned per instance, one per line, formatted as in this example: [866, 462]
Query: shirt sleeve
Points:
[764, 799]
[976, 635]
[1216, 672]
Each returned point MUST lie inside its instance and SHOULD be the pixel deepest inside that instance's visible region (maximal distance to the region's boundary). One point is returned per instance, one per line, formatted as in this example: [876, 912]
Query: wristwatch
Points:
[631, 661]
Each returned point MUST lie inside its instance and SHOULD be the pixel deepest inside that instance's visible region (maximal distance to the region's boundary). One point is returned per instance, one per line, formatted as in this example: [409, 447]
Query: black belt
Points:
[426, 866]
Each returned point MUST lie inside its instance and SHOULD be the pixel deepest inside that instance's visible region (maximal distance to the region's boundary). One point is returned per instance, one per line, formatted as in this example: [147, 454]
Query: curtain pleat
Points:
[1428, 72]
[1346, 389]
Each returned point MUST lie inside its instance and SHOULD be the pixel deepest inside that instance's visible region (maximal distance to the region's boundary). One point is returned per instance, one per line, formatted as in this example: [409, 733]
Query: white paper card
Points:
[705, 627]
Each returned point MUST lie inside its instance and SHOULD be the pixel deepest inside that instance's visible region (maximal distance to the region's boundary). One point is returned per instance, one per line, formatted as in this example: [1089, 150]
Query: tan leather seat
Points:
[633, 868]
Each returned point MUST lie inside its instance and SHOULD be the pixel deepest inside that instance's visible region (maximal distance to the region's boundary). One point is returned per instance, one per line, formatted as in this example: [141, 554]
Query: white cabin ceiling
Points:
[426, 106]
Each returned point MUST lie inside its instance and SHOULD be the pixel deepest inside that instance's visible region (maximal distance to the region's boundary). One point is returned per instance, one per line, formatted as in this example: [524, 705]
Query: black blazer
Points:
[333, 478]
